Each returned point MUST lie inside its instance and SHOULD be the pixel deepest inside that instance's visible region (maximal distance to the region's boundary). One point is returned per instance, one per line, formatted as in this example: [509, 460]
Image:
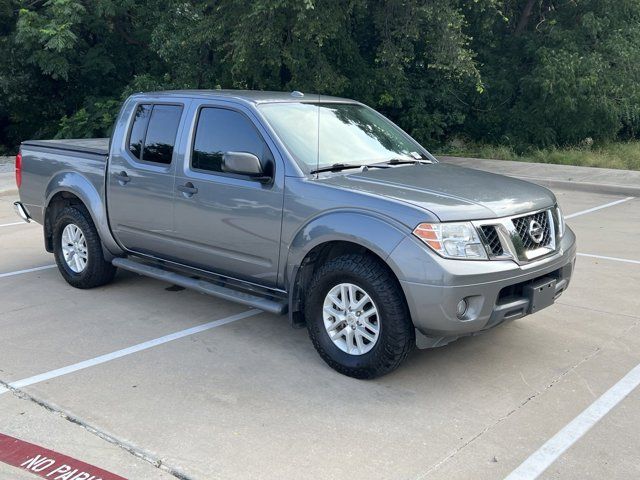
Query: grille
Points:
[492, 241]
[522, 226]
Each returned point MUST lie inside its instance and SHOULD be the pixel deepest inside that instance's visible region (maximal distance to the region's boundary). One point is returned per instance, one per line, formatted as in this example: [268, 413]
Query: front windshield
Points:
[350, 134]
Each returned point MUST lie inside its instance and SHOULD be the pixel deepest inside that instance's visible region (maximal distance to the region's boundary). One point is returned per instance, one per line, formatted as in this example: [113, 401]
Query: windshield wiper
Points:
[403, 161]
[400, 161]
[336, 167]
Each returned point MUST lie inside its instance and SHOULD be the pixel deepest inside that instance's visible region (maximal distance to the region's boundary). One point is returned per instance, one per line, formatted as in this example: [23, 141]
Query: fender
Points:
[371, 230]
[81, 187]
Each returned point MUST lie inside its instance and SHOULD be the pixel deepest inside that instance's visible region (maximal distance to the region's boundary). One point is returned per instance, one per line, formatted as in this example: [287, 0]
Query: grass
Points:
[620, 155]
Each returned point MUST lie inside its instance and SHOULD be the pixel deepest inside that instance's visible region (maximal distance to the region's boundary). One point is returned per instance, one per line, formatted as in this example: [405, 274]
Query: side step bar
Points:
[267, 304]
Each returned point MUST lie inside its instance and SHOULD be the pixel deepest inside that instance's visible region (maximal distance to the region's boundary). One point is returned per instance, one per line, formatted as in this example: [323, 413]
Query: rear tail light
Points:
[19, 169]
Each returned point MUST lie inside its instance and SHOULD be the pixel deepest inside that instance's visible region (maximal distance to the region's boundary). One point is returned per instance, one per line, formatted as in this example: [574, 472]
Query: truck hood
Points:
[450, 192]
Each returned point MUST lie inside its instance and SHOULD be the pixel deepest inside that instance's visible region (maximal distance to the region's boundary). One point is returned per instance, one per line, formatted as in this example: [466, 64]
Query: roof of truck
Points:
[252, 96]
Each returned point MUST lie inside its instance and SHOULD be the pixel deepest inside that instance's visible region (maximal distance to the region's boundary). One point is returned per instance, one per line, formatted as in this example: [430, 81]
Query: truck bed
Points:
[98, 146]
[45, 160]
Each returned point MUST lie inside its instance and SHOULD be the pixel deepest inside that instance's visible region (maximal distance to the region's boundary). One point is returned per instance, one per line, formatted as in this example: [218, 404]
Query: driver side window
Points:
[220, 130]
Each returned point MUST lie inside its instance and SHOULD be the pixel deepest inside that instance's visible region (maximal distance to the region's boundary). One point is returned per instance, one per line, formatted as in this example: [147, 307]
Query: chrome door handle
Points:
[122, 177]
[188, 189]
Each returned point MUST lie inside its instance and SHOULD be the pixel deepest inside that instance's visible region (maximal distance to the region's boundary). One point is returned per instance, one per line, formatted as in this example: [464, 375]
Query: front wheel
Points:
[357, 317]
[78, 250]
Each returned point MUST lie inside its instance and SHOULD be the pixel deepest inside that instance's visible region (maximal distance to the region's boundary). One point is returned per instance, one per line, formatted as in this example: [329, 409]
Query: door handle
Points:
[188, 189]
[122, 177]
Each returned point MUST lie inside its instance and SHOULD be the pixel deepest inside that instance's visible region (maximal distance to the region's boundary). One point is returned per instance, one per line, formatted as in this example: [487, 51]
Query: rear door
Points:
[229, 223]
[141, 178]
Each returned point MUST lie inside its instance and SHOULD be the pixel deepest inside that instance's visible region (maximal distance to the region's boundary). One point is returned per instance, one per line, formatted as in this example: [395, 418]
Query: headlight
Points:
[560, 222]
[452, 240]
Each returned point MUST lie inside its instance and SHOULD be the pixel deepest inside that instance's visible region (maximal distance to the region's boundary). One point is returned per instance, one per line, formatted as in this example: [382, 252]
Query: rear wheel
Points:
[357, 317]
[78, 250]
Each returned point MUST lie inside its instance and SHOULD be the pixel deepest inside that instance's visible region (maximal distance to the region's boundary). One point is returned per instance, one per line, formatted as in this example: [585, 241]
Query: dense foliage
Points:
[516, 72]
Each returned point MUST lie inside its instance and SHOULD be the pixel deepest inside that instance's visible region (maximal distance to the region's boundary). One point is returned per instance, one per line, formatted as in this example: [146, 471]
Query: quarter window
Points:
[219, 131]
[138, 130]
[154, 131]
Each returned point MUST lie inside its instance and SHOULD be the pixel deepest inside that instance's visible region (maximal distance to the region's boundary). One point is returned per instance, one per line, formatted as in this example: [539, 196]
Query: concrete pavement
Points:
[31, 422]
[7, 177]
[251, 399]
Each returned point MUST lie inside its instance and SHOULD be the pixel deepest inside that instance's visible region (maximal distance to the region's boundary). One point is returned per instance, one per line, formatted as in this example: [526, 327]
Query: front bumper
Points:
[495, 290]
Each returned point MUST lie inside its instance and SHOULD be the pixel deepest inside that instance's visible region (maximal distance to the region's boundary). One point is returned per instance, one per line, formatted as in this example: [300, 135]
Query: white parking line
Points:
[537, 463]
[604, 257]
[606, 205]
[127, 351]
[541, 459]
[28, 270]
[12, 224]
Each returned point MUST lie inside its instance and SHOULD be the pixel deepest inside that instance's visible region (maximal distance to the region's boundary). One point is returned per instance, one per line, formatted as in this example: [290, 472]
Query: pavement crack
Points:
[503, 418]
[535, 395]
[134, 450]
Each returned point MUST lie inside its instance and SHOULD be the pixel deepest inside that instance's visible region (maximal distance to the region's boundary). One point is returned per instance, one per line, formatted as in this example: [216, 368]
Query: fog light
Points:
[462, 308]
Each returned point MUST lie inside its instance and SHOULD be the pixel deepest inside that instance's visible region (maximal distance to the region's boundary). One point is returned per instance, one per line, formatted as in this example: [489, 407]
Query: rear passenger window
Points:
[221, 131]
[154, 131]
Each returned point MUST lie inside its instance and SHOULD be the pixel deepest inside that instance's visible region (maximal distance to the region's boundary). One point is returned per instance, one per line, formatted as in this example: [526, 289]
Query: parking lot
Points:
[243, 395]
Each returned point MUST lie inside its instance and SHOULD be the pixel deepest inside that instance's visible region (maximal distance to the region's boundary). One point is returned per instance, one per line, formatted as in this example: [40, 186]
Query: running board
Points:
[203, 286]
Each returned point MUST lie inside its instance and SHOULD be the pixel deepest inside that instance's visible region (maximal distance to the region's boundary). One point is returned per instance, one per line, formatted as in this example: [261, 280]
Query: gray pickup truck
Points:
[310, 205]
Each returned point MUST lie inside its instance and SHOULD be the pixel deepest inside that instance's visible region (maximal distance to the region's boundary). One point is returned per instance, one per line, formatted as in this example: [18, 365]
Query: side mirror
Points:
[244, 163]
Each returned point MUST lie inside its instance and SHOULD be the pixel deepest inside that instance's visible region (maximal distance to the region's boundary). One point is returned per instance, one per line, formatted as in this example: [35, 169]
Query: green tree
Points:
[59, 58]
[556, 72]
[518, 72]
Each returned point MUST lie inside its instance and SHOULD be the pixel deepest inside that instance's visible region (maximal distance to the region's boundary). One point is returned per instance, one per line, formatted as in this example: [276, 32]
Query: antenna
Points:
[318, 107]
[318, 140]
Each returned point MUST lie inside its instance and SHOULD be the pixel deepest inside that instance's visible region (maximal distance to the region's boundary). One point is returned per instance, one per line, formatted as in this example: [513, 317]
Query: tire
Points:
[396, 335]
[95, 271]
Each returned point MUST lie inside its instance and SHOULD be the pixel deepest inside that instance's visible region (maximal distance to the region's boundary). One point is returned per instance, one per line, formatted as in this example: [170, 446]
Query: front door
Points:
[141, 180]
[229, 224]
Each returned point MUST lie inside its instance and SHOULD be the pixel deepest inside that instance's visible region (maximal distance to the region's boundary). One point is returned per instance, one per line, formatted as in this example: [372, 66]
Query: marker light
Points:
[560, 222]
